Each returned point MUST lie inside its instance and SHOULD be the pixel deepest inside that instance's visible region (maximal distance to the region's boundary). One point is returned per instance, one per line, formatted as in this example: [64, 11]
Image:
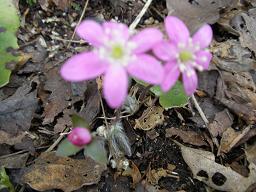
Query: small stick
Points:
[66, 40]
[57, 141]
[140, 15]
[103, 111]
[199, 109]
[80, 19]
[203, 116]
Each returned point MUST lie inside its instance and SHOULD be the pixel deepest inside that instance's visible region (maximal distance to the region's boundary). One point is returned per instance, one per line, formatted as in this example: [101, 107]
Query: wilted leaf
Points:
[204, 168]
[9, 24]
[97, 151]
[66, 148]
[55, 172]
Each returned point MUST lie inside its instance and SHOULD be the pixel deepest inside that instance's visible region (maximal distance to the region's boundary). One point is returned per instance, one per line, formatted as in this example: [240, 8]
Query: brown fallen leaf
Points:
[14, 161]
[133, 172]
[55, 172]
[190, 137]
[60, 4]
[17, 111]
[230, 138]
[221, 122]
[154, 175]
[150, 118]
[251, 153]
[196, 13]
[204, 168]
[231, 56]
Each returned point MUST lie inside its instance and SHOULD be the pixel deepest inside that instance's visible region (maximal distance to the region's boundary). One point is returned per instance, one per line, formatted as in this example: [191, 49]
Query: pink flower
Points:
[79, 136]
[183, 54]
[116, 55]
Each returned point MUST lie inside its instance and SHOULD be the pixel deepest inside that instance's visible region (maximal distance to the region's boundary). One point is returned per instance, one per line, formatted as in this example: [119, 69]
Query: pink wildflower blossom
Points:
[79, 136]
[183, 54]
[116, 55]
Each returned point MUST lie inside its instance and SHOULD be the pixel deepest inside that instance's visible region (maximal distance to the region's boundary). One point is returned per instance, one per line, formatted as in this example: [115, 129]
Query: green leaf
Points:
[9, 24]
[66, 148]
[176, 97]
[5, 181]
[78, 121]
[97, 151]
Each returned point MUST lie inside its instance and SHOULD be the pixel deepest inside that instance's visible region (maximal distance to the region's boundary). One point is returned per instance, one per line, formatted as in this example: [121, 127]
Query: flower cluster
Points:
[118, 54]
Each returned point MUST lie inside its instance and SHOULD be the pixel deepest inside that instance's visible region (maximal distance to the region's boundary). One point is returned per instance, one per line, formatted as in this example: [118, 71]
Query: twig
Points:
[200, 111]
[66, 40]
[103, 111]
[140, 15]
[203, 116]
[57, 141]
[80, 19]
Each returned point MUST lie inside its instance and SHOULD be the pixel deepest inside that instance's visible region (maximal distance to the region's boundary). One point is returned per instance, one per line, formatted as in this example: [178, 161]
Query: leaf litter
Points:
[226, 96]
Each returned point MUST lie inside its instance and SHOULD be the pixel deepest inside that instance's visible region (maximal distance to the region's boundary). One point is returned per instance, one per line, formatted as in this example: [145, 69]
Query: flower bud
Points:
[79, 136]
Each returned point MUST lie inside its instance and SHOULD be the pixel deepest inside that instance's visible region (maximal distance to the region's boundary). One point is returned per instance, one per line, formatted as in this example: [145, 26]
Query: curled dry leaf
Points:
[204, 168]
[150, 118]
[154, 175]
[134, 172]
[55, 172]
[190, 137]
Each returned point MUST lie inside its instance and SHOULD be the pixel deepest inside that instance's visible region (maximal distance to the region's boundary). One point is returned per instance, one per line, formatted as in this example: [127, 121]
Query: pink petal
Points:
[172, 74]
[82, 66]
[80, 136]
[116, 30]
[91, 31]
[190, 80]
[165, 51]
[203, 58]
[203, 36]
[176, 30]
[146, 39]
[115, 86]
[146, 68]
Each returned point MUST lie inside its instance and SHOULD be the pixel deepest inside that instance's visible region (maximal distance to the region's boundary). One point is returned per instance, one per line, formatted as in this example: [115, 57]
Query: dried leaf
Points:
[231, 56]
[196, 13]
[17, 111]
[60, 4]
[134, 172]
[150, 118]
[14, 161]
[190, 137]
[55, 172]
[215, 175]
[231, 137]
[221, 122]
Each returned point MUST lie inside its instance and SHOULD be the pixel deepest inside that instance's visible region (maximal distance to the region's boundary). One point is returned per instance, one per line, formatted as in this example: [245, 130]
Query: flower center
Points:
[185, 56]
[117, 52]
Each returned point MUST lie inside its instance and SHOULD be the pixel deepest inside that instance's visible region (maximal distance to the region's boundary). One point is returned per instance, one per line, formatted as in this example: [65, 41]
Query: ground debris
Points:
[55, 172]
